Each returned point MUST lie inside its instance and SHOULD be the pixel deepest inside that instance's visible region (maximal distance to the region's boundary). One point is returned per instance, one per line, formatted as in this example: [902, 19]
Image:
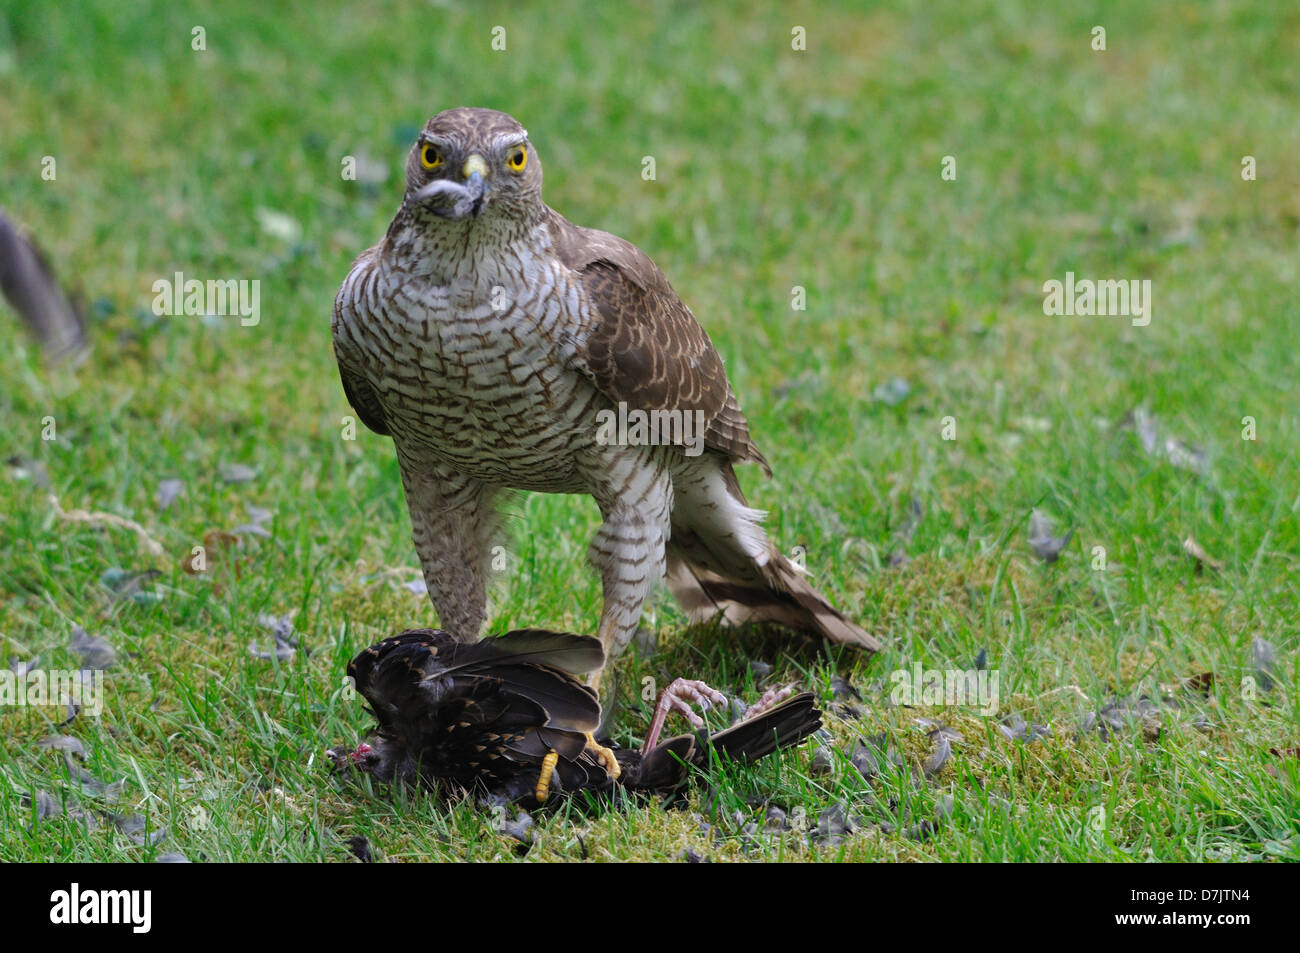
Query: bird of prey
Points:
[507, 719]
[492, 339]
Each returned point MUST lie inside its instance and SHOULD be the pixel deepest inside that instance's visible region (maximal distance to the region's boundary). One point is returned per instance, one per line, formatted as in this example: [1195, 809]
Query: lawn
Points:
[917, 409]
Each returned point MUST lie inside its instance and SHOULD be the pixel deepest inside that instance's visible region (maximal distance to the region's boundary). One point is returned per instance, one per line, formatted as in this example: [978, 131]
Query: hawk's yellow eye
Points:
[430, 156]
[518, 159]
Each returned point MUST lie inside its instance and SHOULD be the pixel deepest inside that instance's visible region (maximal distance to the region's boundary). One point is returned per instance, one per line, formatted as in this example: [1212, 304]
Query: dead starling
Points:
[506, 718]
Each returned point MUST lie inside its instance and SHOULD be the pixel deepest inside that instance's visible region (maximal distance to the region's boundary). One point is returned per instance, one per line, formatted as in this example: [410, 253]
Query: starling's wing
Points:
[646, 349]
[570, 653]
[355, 387]
[782, 727]
[427, 668]
[534, 664]
[388, 673]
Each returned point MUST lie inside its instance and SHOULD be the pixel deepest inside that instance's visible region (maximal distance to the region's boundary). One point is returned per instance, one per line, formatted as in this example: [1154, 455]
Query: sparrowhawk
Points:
[495, 341]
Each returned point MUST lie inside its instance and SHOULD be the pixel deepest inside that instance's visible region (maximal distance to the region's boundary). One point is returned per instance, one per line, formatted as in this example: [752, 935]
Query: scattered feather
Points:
[359, 848]
[520, 829]
[20, 667]
[1203, 559]
[822, 762]
[67, 743]
[892, 392]
[92, 786]
[776, 819]
[278, 224]
[1265, 658]
[1046, 546]
[172, 857]
[236, 473]
[95, 653]
[898, 555]
[939, 756]
[27, 282]
[833, 826]
[46, 806]
[167, 493]
[1165, 446]
[842, 689]
[136, 828]
[25, 468]
[129, 586]
[257, 516]
[284, 641]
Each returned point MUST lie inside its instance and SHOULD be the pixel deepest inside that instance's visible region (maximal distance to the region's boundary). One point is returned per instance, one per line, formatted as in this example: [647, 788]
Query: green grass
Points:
[775, 168]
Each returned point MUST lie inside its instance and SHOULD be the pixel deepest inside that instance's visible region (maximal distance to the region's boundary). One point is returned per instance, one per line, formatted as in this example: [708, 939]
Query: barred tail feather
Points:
[721, 562]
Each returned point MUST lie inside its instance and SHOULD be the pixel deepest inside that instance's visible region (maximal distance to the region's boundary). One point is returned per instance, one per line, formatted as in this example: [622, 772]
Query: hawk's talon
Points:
[771, 698]
[679, 696]
[605, 757]
[543, 788]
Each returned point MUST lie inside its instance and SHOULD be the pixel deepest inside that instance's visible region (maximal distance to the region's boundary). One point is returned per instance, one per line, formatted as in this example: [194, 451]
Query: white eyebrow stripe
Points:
[511, 139]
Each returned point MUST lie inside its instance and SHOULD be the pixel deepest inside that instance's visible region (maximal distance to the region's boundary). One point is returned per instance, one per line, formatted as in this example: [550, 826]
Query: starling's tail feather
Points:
[667, 765]
[782, 727]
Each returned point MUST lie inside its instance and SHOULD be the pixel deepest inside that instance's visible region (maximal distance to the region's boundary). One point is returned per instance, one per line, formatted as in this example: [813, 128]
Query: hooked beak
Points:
[454, 200]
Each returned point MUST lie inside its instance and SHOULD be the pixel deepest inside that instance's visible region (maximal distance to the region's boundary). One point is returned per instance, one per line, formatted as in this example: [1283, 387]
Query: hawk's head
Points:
[471, 164]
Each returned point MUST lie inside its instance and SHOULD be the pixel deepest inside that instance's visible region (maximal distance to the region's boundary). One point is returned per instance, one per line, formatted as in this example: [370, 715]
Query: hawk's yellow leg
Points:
[603, 755]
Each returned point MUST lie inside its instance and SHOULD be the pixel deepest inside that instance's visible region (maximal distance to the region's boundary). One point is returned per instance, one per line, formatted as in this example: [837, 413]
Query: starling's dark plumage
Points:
[507, 717]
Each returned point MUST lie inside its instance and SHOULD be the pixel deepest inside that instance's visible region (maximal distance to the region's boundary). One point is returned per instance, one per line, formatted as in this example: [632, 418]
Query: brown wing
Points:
[358, 392]
[647, 349]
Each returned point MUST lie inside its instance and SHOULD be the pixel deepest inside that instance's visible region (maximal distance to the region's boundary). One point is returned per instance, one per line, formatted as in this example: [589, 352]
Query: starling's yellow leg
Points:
[544, 778]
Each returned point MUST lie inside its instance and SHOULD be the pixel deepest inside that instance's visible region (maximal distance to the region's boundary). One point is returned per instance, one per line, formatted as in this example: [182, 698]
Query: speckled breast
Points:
[473, 377]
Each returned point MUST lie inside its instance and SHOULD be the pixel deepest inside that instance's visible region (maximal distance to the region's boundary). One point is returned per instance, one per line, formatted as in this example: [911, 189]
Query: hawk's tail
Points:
[721, 563]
